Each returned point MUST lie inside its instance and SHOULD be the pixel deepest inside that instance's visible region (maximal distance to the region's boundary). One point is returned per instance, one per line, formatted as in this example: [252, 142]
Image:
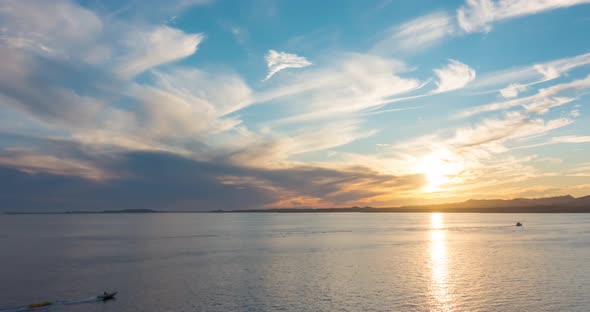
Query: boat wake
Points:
[50, 305]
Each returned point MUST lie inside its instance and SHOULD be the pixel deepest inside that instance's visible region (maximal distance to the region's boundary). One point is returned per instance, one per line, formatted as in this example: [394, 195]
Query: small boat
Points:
[518, 224]
[107, 296]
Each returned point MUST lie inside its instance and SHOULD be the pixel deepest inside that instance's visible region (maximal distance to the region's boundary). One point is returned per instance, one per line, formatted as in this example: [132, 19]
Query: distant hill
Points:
[558, 204]
[566, 201]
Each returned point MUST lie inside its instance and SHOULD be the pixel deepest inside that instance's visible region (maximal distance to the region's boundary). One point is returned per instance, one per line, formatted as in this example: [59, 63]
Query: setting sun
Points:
[439, 168]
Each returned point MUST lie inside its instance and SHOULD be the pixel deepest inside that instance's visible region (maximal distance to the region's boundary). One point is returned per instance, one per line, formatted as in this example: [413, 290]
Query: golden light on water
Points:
[440, 300]
[436, 221]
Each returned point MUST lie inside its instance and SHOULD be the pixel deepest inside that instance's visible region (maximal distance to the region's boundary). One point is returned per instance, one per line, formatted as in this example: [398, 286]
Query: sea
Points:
[296, 262]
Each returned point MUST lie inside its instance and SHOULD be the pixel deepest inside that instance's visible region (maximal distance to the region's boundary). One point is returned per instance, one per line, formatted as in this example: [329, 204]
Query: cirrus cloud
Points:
[478, 15]
[453, 76]
[162, 44]
[277, 61]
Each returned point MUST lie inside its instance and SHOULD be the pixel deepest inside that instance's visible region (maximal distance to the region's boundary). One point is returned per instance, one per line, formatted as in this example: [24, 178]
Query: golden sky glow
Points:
[193, 105]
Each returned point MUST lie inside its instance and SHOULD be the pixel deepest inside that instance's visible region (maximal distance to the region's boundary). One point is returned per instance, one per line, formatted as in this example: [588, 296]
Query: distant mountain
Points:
[558, 204]
[565, 203]
[582, 201]
[516, 202]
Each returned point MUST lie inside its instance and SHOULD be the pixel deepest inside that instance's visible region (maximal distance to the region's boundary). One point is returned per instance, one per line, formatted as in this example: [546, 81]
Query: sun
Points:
[439, 168]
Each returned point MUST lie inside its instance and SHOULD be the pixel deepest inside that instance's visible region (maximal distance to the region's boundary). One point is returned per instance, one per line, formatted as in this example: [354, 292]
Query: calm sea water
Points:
[298, 262]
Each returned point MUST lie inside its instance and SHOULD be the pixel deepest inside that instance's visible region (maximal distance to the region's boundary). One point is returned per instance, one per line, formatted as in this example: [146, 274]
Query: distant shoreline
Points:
[544, 209]
[559, 204]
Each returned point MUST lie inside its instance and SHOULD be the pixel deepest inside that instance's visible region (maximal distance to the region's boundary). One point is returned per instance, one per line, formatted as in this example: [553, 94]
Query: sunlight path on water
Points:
[440, 299]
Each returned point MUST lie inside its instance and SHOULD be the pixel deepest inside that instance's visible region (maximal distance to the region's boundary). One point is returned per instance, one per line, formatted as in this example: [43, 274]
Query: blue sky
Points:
[213, 104]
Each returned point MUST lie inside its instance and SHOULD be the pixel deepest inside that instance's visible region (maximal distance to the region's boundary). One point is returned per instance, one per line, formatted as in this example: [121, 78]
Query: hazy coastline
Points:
[560, 204]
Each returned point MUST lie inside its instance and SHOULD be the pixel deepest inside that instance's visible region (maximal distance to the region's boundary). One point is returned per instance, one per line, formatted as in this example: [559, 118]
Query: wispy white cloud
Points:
[461, 160]
[240, 33]
[513, 90]
[277, 61]
[273, 148]
[484, 137]
[349, 84]
[540, 102]
[147, 10]
[422, 31]
[185, 111]
[514, 125]
[57, 29]
[575, 113]
[571, 139]
[533, 74]
[162, 44]
[31, 160]
[173, 111]
[72, 33]
[453, 76]
[479, 15]
[96, 101]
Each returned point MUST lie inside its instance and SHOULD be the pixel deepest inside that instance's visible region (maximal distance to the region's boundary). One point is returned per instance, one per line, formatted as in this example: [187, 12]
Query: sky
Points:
[218, 104]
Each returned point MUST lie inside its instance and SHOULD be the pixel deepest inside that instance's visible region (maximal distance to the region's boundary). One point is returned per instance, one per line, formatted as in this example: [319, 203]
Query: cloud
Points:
[513, 90]
[476, 156]
[549, 72]
[66, 94]
[455, 75]
[183, 4]
[59, 29]
[350, 83]
[416, 34]
[571, 139]
[115, 123]
[423, 31]
[276, 149]
[514, 125]
[152, 11]
[478, 15]
[160, 45]
[147, 180]
[473, 16]
[38, 85]
[175, 133]
[70, 32]
[539, 103]
[277, 61]
[240, 33]
[534, 74]
[66, 84]
[32, 162]
[487, 136]
[99, 103]
[172, 109]
[165, 181]
[45, 22]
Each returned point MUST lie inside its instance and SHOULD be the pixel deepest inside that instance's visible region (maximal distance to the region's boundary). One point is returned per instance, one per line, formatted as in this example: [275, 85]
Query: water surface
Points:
[298, 262]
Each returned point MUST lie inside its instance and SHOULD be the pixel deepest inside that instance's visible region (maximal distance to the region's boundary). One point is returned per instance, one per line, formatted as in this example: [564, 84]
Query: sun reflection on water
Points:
[440, 299]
